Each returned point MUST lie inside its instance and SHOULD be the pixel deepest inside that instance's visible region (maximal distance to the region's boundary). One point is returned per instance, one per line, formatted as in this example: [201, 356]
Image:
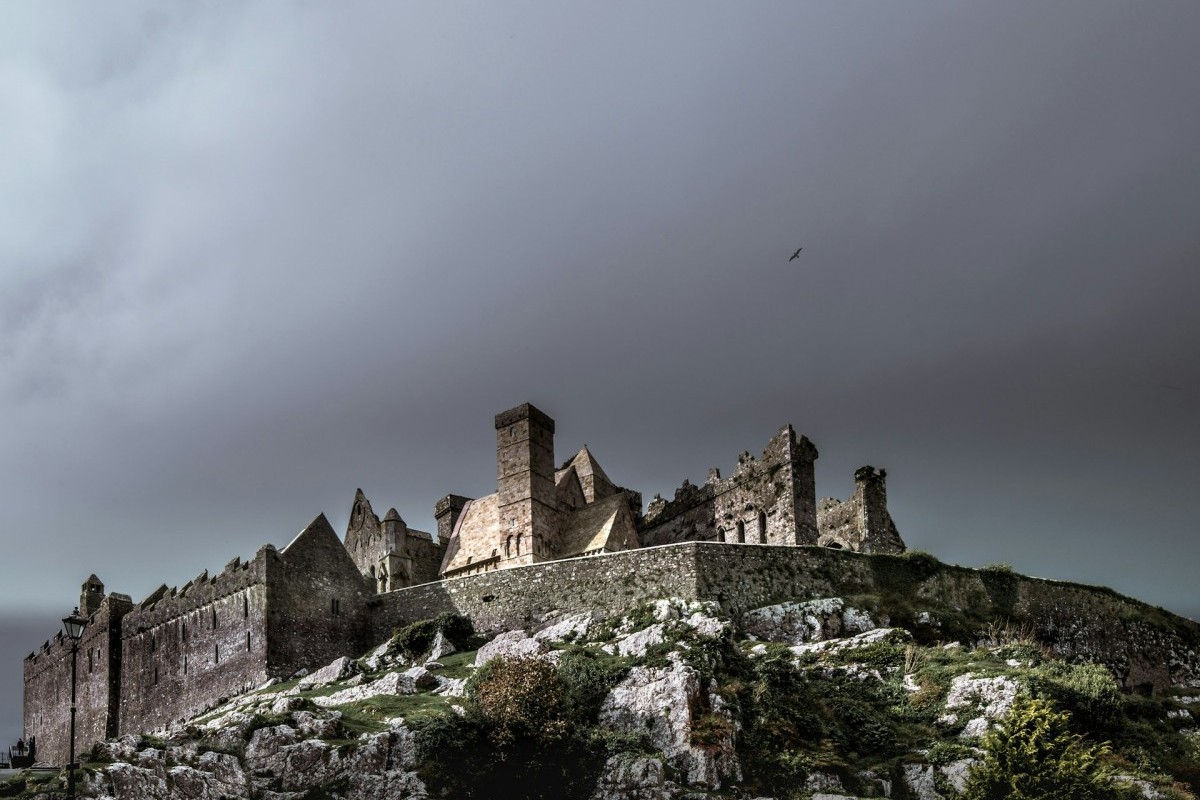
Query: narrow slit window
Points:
[216, 654]
[247, 641]
[214, 617]
[246, 606]
[762, 528]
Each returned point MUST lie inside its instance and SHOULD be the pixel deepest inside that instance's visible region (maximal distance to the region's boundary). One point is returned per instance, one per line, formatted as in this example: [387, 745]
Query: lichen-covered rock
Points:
[390, 785]
[441, 647]
[922, 780]
[637, 643]
[391, 683]
[336, 670]
[510, 645]
[265, 751]
[809, 621]
[896, 635]
[137, 783]
[665, 704]
[625, 778]
[988, 699]
[573, 627]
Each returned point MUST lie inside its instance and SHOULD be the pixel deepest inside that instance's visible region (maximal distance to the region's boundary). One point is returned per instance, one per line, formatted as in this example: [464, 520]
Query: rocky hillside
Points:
[823, 699]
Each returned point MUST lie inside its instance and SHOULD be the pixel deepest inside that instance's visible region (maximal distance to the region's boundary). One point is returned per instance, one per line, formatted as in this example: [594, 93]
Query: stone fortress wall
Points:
[1142, 645]
[743, 541]
[47, 678]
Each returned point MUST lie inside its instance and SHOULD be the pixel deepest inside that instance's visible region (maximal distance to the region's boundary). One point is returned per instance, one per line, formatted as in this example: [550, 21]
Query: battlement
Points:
[767, 500]
[179, 649]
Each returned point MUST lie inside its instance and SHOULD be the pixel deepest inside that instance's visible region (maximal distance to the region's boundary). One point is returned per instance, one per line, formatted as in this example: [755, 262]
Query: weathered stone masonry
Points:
[176, 652]
[1145, 647]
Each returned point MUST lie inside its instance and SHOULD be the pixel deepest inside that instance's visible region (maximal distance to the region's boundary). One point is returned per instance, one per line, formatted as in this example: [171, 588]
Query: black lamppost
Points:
[74, 626]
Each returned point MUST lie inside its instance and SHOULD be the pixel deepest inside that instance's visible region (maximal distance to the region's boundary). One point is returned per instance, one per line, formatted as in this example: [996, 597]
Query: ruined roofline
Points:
[689, 496]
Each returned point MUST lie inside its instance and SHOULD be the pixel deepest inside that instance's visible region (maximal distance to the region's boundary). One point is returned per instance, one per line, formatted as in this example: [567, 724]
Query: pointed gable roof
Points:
[595, 484]
[585, 465]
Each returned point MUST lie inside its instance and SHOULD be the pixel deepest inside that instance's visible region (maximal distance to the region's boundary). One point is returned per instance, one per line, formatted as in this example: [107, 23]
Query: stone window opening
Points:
[185, 665]
[518, 544]
[741, 532]
[153, 644]
[508, 547]
[90, 665]
[183, 629]
[246, 606]
[247, 641]
[156, 676]
[335, 607]
[762, 528]
[214, 617]
[216, 654]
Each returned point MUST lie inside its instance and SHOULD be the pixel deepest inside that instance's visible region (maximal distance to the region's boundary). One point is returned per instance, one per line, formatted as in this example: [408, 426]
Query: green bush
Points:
[1088, 692]
[587, 680]
[1033, 755]
[416, 639]
[517, 739]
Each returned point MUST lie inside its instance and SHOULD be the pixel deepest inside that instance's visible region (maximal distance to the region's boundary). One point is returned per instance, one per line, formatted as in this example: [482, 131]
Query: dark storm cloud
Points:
[253, 257]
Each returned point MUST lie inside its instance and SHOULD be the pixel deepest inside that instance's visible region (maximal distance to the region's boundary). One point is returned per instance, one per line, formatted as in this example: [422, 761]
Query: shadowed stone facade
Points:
[143, 667]
[861, 522]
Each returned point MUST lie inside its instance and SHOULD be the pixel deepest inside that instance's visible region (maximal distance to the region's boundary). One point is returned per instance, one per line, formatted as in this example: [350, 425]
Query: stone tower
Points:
[801, 455]
[91, 595]
[526, 505]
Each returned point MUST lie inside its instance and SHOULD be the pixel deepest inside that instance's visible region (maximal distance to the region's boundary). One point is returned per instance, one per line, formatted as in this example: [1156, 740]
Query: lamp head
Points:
[74, 625]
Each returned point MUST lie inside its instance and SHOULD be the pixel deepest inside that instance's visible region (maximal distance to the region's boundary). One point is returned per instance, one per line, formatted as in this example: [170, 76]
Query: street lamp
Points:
[74, 626]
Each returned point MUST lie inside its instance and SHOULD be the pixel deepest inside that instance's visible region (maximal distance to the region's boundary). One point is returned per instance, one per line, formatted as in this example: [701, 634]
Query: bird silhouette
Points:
[795, 255]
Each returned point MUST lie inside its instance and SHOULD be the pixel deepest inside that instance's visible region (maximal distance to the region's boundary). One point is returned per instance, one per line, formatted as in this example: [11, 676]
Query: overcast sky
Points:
[254, 256]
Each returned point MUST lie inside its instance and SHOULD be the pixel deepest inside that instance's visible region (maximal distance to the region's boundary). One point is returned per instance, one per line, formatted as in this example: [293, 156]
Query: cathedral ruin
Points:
[146, 665]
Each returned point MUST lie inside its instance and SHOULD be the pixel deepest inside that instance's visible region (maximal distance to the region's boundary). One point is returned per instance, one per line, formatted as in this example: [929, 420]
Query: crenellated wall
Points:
[185, 648]
[771, 500]
[47, 674]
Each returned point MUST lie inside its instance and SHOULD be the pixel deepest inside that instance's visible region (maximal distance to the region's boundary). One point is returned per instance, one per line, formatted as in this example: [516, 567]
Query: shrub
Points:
[587, 680]
[521, 698]
[1088, 692]
[1032, 755]
[416, 639]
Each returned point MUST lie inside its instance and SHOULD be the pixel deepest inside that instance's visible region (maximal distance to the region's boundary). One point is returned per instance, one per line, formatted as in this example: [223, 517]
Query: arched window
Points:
[741, 531]
[508, 547]
[518, 544]
[762, 528]
[720, 534]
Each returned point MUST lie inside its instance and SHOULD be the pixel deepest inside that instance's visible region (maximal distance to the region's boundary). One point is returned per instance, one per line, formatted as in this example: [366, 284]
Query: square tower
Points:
[526, 505]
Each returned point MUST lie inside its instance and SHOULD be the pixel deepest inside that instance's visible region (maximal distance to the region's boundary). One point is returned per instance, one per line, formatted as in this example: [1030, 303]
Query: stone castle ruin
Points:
[146, 665]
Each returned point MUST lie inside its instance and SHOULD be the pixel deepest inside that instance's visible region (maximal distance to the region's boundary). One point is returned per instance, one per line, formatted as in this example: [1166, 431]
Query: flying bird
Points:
[795, 255]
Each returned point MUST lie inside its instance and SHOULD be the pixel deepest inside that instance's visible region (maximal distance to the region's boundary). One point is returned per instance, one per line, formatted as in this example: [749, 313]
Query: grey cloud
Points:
[254, 257]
